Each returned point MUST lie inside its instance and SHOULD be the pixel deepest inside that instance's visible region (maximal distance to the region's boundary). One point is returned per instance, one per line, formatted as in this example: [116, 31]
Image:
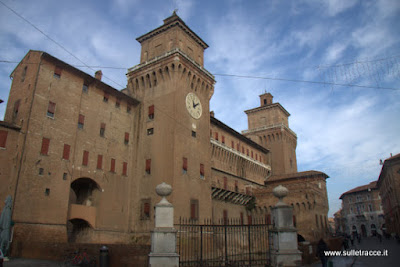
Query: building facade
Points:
[362, 210]
[389, 190]
[82, 159]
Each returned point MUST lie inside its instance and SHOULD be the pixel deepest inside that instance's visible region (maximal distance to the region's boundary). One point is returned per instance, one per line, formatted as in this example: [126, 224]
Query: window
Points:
[237, 147]
[65, 175]
[128, 108]
[112, 168]
[223, 139]
[126, 140]
[41, 171]
[51, 109]
[66, 151]
[85, 88]
[57, 72]
[16, 107]
[150, 131]
[236, 186]
[294, 220]
[102, 129]
[45, 146]
[151, 112]
[216, 136]
[201, 170]
[316, 220]
[241, 218]
[105, 97]
[148, 166]
[194, 134]
[24, 74]
[247, 151]
[118, 103]
[184, 165]
[249, 219]
[252, 154]
[3, 138]
[85, 158]
[233, 145]
[145, 209]
[81, 121]
[124, 168]
[47, 192]
[194, 209]
[225, 183]
[370, 207]
[99, 162]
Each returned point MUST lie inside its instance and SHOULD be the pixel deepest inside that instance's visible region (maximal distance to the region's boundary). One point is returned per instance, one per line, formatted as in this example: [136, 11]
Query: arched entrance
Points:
[363, 230]
[83, 199]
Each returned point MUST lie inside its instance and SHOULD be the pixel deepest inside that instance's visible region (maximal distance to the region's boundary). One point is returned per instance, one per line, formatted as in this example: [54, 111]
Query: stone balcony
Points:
[87, 213]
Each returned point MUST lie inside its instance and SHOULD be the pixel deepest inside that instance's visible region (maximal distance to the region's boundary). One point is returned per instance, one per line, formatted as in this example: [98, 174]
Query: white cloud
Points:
[336, 7]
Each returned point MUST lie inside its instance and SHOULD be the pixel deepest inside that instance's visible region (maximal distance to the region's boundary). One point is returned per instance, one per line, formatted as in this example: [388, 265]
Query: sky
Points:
[334, 65]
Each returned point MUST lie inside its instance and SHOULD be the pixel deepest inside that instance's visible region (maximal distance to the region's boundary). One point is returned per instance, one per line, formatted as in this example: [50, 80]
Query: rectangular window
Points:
[241, 218]
[3, 138]
[252, 154]
[85, 158]
[194, 209]
[223, 139]
[151, 112]
[124, 168]
[194, 134]
[233, 144]
[202, 170]
[118, 103]
[128, 108]
[85, 88]
[57, 72]
[51, 109]
[16, 107]
[184, 164]
[99, 162]
[66, 151]
[145, 209]
[65, 176]
[148, 166]
[41, 171]
[126, 140]
[225, 217]
[216, 136]
[105, 97]
[316, 220]
[47, 192]
[81, 121]
[150, 131]
[247, 150]
[45, 146]
[112, 168]
[102, 129]
[237, 147]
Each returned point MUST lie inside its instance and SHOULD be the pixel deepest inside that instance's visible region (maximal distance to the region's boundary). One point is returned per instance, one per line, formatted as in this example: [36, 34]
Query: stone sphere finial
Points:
[164, 190]
[280, 192]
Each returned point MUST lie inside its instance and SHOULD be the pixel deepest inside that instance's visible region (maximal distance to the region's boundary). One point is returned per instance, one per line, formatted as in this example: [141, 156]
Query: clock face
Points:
[193, 105]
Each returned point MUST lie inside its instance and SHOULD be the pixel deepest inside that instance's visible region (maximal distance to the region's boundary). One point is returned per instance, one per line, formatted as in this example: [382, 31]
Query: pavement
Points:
[18, 262]
[368, 244]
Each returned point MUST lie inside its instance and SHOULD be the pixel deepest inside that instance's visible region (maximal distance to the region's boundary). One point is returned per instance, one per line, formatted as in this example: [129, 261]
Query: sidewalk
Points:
[18, 262]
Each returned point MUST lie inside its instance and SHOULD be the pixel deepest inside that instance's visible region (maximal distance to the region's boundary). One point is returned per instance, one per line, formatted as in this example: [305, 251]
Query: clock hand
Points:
[195, 105]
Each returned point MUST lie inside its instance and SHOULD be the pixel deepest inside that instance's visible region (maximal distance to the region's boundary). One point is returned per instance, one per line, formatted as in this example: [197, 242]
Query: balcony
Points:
[83, 212]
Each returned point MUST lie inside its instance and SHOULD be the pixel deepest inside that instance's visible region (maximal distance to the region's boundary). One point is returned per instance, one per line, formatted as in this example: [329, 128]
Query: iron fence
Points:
[227, 243]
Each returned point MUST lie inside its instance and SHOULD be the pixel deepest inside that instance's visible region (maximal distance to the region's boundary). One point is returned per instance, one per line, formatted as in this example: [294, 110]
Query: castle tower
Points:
[174, 118]
[268, 125]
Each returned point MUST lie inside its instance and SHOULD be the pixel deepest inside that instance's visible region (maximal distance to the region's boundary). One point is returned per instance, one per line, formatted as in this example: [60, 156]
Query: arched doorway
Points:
[363, 230]
[84, 191]
[79, 231]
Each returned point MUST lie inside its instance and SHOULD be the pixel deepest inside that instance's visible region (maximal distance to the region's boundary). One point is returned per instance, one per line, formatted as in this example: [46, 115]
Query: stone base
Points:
[286, 258]
[163, 259]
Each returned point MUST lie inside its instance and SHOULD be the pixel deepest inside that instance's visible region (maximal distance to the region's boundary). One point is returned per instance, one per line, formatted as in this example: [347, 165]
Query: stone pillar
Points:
[284, 248]
[163, 237]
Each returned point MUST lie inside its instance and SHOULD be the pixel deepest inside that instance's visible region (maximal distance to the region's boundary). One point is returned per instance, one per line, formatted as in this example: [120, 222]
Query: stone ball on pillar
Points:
[280, 192]
[164, 190]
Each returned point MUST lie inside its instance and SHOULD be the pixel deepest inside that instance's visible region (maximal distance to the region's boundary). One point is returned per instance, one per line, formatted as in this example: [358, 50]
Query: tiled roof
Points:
[371, 185]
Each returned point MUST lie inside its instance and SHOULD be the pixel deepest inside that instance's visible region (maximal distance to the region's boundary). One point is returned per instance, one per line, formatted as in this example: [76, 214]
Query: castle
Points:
[81, 159]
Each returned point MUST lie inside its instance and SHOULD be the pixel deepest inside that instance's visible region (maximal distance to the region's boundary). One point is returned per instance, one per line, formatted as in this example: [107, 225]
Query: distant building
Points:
[389, 190]
[340, 225]
[361, 210]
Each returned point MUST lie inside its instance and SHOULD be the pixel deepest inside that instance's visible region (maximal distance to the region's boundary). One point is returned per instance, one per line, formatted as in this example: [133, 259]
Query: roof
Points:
[89, 78]
[273, 105]
[170, 22]
[367, 187]
[385, 163]
[296, 175]
[237, 135]
[9, 126]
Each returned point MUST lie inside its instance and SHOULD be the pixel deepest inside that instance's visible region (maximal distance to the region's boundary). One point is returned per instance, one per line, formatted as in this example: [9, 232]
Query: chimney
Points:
[212, 113]
[98, 75]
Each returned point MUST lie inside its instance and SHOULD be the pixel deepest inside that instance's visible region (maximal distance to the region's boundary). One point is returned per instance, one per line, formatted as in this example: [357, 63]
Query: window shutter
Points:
[112, 169]
[216, 136]
[202, 169]
[52, 107]
[185, 164]
[57, 71]
[85, 159]
[124, 168]
[66, 151]
[126, 138]
[45, 146]
[81, 119]
[146, 208]
[99, 162]
[151, 111]
[3, 138]
[223, 139]
[148, 166]
[103, 125]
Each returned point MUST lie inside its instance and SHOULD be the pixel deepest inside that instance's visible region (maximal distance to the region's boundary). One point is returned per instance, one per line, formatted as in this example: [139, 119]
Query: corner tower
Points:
[174, 118]
[268, 125]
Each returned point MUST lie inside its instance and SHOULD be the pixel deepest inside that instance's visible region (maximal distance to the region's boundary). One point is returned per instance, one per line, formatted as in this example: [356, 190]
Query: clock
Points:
[193, 105]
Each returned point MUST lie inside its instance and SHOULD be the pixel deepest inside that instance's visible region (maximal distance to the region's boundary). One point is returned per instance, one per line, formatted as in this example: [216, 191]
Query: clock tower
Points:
[173, 124]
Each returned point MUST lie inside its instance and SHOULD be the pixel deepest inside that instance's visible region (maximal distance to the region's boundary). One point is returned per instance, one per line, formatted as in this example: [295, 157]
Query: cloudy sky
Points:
[302, 51]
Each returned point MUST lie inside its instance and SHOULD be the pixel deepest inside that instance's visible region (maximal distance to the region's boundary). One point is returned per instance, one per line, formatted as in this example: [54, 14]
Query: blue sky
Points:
[342, 130]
